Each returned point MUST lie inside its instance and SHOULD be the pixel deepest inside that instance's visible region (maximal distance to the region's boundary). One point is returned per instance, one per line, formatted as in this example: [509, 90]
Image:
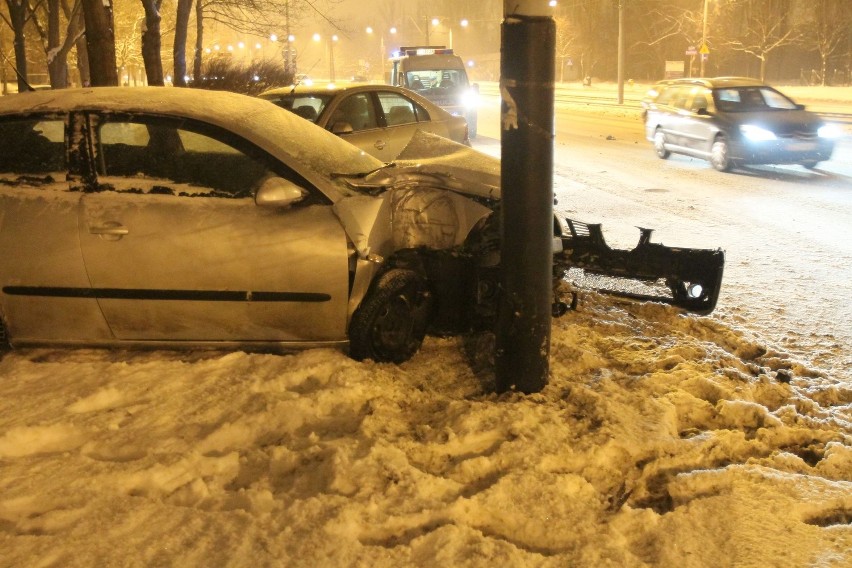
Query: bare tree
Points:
[151, 42]
[100, 40]
[759, 27]
[18, 14]
[827, 29]
[184, 9]
[59, 18]
[254, 17]
[565, 43]
[592, 26]
[129, 26]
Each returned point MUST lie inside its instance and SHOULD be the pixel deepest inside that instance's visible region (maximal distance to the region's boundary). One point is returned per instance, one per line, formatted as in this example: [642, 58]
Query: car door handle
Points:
[110, 228]
[380, 144]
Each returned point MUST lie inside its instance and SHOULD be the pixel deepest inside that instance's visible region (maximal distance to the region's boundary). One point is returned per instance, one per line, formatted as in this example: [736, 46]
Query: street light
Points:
[436, 22]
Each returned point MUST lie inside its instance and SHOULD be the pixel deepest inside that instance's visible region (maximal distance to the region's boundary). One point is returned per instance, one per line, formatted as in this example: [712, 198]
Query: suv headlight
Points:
[470, 98]
[756, 133]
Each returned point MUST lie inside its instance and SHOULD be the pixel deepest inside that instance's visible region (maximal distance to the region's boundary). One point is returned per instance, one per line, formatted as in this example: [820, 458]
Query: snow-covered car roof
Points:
[308, 149]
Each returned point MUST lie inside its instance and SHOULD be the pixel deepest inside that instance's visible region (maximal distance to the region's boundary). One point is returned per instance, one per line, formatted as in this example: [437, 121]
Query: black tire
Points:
[720, 157]
[391, 322]
[660, 144]
[472, 119]
[810, 164]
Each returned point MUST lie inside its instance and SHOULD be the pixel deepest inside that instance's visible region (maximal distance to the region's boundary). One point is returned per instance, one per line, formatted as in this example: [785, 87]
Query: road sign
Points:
[691, 50]
[704, 49]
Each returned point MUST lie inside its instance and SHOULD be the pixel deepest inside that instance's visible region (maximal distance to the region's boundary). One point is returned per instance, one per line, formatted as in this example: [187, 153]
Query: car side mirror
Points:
[277, 192]
[341, 127]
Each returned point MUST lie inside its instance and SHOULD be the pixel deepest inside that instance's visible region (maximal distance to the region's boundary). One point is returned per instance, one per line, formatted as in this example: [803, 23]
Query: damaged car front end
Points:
[435, 213]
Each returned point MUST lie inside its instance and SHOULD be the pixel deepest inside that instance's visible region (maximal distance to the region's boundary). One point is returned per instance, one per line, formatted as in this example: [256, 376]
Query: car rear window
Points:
[308, 106]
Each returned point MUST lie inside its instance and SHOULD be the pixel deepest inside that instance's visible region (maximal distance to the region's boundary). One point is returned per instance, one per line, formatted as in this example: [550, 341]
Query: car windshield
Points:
[749, 99]
[426, 79]
[306, 105]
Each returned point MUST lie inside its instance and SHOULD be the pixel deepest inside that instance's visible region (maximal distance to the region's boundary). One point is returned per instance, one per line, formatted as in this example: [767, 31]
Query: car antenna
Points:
[299, 82]
[18, 73]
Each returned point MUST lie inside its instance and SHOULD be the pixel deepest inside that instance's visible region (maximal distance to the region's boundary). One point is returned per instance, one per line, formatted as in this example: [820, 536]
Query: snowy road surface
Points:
[785, 230]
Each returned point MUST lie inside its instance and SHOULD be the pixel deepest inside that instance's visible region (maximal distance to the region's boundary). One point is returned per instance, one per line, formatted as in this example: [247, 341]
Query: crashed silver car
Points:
[163, 217]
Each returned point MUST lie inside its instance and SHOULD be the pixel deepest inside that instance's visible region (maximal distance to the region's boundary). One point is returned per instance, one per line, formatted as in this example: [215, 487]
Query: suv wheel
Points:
[719, 155]
[660, 144]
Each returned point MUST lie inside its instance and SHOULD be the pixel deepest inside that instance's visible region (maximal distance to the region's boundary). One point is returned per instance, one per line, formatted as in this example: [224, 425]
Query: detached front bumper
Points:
[687, 278]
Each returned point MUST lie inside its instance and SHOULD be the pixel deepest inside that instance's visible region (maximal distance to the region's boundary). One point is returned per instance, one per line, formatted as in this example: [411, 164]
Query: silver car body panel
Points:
[40, 225]
[130, 266]
[293, 282]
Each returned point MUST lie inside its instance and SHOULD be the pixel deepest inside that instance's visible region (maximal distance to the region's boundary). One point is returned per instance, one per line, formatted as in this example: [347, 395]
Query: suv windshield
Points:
[425, 79]
[746, 99]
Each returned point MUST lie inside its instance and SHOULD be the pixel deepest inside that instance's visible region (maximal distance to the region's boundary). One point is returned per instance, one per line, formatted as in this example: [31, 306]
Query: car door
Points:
[697, 129]
[359, 111]
[44, 282]
[675, 115]
[178, 250]
[403, 117]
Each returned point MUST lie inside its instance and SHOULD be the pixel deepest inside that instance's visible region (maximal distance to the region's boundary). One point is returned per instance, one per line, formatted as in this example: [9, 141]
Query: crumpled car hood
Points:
[437, 162]
[433, 196]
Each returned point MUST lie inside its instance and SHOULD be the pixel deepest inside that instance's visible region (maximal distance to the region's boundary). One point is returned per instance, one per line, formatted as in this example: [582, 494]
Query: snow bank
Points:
[661, 440]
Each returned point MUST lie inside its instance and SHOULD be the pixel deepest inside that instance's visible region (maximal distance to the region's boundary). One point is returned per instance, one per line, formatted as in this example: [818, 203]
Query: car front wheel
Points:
[390, 324]
[720, 156]
[660, 145]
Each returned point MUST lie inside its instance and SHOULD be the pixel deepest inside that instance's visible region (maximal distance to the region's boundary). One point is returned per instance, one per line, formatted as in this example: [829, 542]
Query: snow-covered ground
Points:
[662, 439]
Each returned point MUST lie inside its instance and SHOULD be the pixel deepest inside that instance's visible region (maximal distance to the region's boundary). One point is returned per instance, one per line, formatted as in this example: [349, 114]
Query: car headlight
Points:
[830, 131]
[756, 133]
[470, 98]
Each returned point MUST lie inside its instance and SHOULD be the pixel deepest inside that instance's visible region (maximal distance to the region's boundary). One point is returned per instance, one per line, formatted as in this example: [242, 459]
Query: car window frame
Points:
[416, 109]
[89, 120]
[45, 117]
[346, 95]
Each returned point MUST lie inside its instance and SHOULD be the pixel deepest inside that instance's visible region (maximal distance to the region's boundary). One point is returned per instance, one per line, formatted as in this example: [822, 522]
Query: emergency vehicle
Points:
[438, 74]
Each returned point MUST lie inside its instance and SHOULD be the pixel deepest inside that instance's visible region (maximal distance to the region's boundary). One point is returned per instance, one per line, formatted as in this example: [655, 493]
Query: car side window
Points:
[422, 113]
[358, 111]
[32, 146]
[398, 109]
[680, 97]
[699, 102]
[154, 155]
